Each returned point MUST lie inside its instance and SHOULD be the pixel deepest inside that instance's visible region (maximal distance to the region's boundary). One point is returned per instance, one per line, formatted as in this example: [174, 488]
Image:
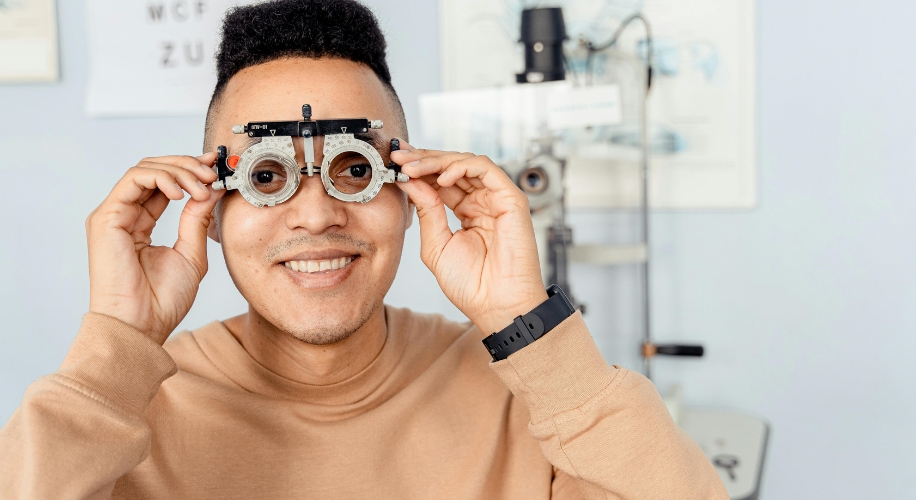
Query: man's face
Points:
[312, 229]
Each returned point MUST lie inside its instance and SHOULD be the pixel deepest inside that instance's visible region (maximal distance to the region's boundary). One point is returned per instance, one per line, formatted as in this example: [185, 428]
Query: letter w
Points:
[156, 12]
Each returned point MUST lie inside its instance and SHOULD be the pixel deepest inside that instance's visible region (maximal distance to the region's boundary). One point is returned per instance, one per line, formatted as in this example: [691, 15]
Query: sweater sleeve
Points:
[605, 426]
[80, 429]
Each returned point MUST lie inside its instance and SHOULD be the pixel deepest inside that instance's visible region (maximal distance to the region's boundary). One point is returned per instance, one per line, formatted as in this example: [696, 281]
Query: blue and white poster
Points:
[702, 115]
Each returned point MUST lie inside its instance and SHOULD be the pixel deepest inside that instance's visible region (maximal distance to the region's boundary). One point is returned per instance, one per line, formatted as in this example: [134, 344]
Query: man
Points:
[320, 391]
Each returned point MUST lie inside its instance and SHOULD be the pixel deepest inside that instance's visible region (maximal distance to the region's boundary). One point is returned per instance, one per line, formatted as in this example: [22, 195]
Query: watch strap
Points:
[530, 327]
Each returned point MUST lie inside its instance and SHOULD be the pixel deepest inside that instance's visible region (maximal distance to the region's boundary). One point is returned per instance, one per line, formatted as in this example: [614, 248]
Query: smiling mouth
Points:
[319, 266]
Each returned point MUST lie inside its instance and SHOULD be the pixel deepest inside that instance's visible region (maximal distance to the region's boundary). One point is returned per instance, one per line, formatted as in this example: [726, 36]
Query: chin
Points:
[325, 322]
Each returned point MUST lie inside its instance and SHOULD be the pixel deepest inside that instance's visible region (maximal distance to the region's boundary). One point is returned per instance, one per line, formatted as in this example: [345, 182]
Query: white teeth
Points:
[317, 266]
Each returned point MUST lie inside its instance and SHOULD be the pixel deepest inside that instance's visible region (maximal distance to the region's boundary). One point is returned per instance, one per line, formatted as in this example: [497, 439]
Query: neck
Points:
[310, 364]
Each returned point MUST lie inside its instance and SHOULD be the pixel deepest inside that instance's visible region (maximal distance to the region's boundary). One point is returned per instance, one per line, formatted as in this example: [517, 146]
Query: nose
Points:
[312, 209]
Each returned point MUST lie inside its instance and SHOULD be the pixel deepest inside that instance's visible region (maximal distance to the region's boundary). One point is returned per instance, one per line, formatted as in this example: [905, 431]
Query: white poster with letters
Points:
[152, 57]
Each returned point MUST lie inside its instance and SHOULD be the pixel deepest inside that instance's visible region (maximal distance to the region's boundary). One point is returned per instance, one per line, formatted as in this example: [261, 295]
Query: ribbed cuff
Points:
[559, 372]
[117, 362]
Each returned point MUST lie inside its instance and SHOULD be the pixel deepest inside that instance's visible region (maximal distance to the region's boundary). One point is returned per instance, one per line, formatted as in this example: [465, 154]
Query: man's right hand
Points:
[150, 287]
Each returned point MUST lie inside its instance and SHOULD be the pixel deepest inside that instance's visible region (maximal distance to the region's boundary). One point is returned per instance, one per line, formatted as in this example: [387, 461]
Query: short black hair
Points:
[277, 29]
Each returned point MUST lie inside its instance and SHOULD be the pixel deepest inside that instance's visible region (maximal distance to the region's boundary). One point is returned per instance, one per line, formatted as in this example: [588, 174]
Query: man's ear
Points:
[212, 232]
[213, 228]
[411, 209]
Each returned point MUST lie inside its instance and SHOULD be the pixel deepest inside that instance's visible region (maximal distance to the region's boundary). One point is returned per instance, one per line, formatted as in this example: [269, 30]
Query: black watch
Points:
[530, 327]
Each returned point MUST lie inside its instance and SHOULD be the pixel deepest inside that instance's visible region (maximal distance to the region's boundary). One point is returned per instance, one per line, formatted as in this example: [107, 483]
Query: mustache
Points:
[330, 239]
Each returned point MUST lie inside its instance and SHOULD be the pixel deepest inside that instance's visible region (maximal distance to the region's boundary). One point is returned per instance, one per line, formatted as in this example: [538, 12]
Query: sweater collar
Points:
[368, 387]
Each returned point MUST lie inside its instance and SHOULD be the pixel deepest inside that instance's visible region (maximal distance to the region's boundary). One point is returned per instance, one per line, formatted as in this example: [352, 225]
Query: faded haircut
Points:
[264, 32]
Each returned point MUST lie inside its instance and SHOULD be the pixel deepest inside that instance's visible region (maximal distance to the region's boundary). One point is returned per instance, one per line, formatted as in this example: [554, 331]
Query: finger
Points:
[184, 169]
[452, 196]
[403, 153]
[200, 165]
[465, 185]
[139, 183]
[429, 179]
[192, 231]
[156, 204]
[475, 182]
[120, 211]
[434, 230]
[188, 180]
[403, 147]
[436, 164]
[481, 168]
[208, 159]
[408, 152]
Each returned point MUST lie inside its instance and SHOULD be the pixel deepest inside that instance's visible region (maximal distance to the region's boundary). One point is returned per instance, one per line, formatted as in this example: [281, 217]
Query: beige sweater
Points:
[199, 418]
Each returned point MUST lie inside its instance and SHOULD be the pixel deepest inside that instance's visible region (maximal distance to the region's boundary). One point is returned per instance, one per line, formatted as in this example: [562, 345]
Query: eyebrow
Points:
[375, 139]
[243, 145]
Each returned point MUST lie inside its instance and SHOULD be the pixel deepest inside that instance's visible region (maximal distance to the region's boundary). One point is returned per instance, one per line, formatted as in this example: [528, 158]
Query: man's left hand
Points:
[489, 268]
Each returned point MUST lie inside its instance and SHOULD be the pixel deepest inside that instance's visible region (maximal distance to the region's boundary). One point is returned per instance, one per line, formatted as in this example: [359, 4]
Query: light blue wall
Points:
[805, 304]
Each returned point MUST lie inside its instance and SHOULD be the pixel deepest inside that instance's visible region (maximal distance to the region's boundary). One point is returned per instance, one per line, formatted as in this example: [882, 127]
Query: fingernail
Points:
[413, 163]
[201, 184]
[399, 151]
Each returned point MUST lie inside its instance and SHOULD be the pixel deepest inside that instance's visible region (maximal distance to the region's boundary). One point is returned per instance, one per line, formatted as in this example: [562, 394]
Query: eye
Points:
[268, 177]
[354, 171]
[350, 172]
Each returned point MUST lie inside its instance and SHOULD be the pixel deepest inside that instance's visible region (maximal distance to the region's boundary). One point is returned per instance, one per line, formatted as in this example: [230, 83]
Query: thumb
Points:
[192, 231]
[434, 230]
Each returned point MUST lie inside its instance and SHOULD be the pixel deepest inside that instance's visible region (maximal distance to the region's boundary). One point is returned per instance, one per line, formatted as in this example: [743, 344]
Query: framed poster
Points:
[28, 41]
[702, 105]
